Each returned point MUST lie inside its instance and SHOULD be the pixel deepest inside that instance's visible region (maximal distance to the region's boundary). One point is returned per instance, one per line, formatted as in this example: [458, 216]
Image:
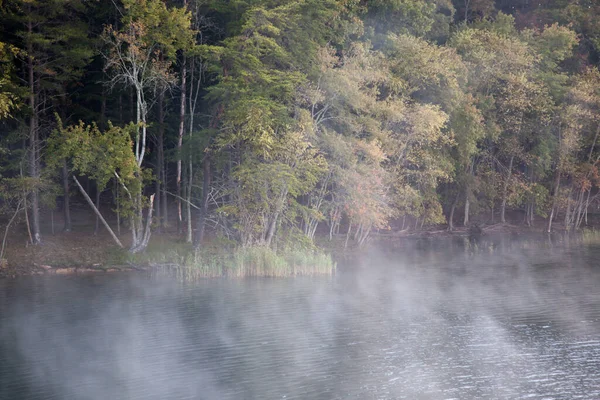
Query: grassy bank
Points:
[82, 251]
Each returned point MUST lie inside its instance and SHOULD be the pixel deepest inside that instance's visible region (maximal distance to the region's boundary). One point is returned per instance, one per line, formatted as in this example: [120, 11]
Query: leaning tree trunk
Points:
[91, 203]
[505, 190]
[97, 227]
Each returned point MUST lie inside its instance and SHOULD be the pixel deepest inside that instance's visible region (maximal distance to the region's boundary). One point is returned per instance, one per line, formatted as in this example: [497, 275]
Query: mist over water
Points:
[434, 322]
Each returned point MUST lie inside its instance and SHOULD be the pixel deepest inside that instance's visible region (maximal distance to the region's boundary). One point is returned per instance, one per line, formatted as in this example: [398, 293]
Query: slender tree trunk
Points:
[160, 159]
[348, 234]
[145, 231]
[91, 203]
[587, 204]
[201, 221]
[467, 205]
[33, 144]
[505, 190]
[188, 207]
[331, 229]
[157, 205]
[164, 202]
[364, 235]
[357, 233]
[180, 141]
[7, 228]
[118, 205]
[66, 201]
[468, 194]
[272, 228]
[554, 201]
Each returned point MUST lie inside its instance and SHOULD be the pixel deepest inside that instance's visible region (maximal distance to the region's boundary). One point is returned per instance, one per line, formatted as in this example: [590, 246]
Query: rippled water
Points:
[426, 324]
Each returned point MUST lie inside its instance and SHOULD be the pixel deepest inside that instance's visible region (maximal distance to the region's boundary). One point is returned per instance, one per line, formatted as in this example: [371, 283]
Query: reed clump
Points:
[237, 262]
[590, 236]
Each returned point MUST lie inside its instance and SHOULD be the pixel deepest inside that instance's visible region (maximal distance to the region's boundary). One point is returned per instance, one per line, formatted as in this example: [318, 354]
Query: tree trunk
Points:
[505, 190]
[66, 202]
[7, 228]
[587, 204]
[158, 189]
[91, 203]
[180, 141]
[451, 216]
[272, 228]
[467, 204]
[201, 221]
[144, 235]
[568, 212]
[118, 205]
[164, 202]
[468, 194]
[160, 160]
[188, 207]
[554, 201]
[364, 235]
[348, 233]
[33, 145]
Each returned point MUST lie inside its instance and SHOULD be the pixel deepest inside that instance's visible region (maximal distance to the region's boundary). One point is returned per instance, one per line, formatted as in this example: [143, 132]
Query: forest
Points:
[270, 123]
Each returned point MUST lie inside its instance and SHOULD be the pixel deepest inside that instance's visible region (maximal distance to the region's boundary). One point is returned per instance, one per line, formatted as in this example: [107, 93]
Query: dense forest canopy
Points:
[269, 121]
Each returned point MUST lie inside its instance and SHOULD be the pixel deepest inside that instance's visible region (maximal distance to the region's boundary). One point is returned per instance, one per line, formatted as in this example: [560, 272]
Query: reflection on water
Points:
[423, 323]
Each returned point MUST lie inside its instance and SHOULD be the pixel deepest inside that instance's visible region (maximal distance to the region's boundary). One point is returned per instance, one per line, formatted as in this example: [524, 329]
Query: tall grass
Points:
[590, 236]
[237, 262]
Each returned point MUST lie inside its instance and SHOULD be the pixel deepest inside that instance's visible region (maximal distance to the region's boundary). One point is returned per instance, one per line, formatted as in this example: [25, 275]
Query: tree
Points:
[103, 156]
[53, 54]
[140, 55]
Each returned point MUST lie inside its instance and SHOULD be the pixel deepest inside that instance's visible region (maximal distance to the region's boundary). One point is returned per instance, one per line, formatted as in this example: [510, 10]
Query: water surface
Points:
[439, 322]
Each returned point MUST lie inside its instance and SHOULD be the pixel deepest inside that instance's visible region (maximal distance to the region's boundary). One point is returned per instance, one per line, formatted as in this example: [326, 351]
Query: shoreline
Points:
[64, 254]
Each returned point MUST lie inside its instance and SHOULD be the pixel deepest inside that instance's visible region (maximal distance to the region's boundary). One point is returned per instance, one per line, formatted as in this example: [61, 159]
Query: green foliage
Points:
[310, 112]
[98, 155]
[102, 156]
[9, 95]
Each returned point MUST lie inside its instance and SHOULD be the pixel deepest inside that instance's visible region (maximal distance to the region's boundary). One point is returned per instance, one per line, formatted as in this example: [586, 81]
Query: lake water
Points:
[429, 322]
